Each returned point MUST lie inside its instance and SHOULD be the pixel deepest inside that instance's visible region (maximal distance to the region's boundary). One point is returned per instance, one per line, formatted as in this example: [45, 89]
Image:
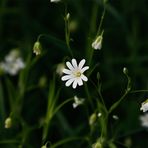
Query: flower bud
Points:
[37, 48]
[97, 44]
[125, 71]
[92, 119]
[8, 122]
[67, 16]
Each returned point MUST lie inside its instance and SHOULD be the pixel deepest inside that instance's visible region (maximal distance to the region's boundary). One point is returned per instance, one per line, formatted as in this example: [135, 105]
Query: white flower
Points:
[75, 73]
[77, 101]
[144, 120]
[97, 44]
[8, 122]
[55, 1]
[144, 106]
[12, 63]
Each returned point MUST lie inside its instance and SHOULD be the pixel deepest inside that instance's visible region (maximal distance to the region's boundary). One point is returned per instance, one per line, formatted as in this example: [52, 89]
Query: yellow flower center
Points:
[77, 74]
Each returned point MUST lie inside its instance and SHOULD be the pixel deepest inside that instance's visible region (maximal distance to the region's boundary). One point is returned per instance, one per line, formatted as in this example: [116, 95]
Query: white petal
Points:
[69, 82]
[74, 85]
[81, 64]
[84, 69]
[84, 78]
[74, 63]
[69, 65]
[80, 82]
[74, 105]
[64, 78]
[66, 71]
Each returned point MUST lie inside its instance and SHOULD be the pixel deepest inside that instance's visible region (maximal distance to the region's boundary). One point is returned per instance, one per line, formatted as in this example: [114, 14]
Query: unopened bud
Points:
[92, 119]
[37, 48]
[97, 44]
[8, 122]
[125, 71]
[67, 16]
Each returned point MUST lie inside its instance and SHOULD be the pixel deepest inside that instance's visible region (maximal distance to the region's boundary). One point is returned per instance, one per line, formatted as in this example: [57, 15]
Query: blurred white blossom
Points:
[144, 106]
[144, 120]
[115, 117]
[77, 101]
[13, 63]
[75, 73]
[99, 114]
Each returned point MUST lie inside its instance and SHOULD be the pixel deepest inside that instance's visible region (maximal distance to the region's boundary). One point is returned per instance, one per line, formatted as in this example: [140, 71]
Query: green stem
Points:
[138, 91]
[67, 140]
[61, 105]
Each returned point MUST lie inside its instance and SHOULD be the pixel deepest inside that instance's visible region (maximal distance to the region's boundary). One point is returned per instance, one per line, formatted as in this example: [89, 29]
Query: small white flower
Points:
[77, 101]
[144, 120]
[55, 1]
[97, 44]
[12, 63]
[144, 106]
[8, 122]
[75, 73]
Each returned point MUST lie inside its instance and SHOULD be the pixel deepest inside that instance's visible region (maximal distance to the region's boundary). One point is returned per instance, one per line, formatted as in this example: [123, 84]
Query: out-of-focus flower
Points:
[92, 119]
[144, 120]
[55, 1]
[77, 101]
[37, 48]
[75, 73]
[97, 44]
[99, 114]
[115, 117]
[60, 68]
[8, 122]
[13, 63]
[144, 106]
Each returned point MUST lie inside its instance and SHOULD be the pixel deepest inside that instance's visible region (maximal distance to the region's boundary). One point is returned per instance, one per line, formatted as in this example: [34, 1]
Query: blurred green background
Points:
[125, 44]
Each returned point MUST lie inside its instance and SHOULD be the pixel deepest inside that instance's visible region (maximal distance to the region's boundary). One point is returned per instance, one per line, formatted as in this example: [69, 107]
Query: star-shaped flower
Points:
[74, 75]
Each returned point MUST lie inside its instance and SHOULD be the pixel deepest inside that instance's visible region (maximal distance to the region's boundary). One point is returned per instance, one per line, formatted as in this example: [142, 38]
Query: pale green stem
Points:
[67, 140]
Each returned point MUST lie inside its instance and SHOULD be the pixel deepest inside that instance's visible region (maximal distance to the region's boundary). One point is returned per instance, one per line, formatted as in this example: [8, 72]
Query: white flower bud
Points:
[97, 44]
[37, 48]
